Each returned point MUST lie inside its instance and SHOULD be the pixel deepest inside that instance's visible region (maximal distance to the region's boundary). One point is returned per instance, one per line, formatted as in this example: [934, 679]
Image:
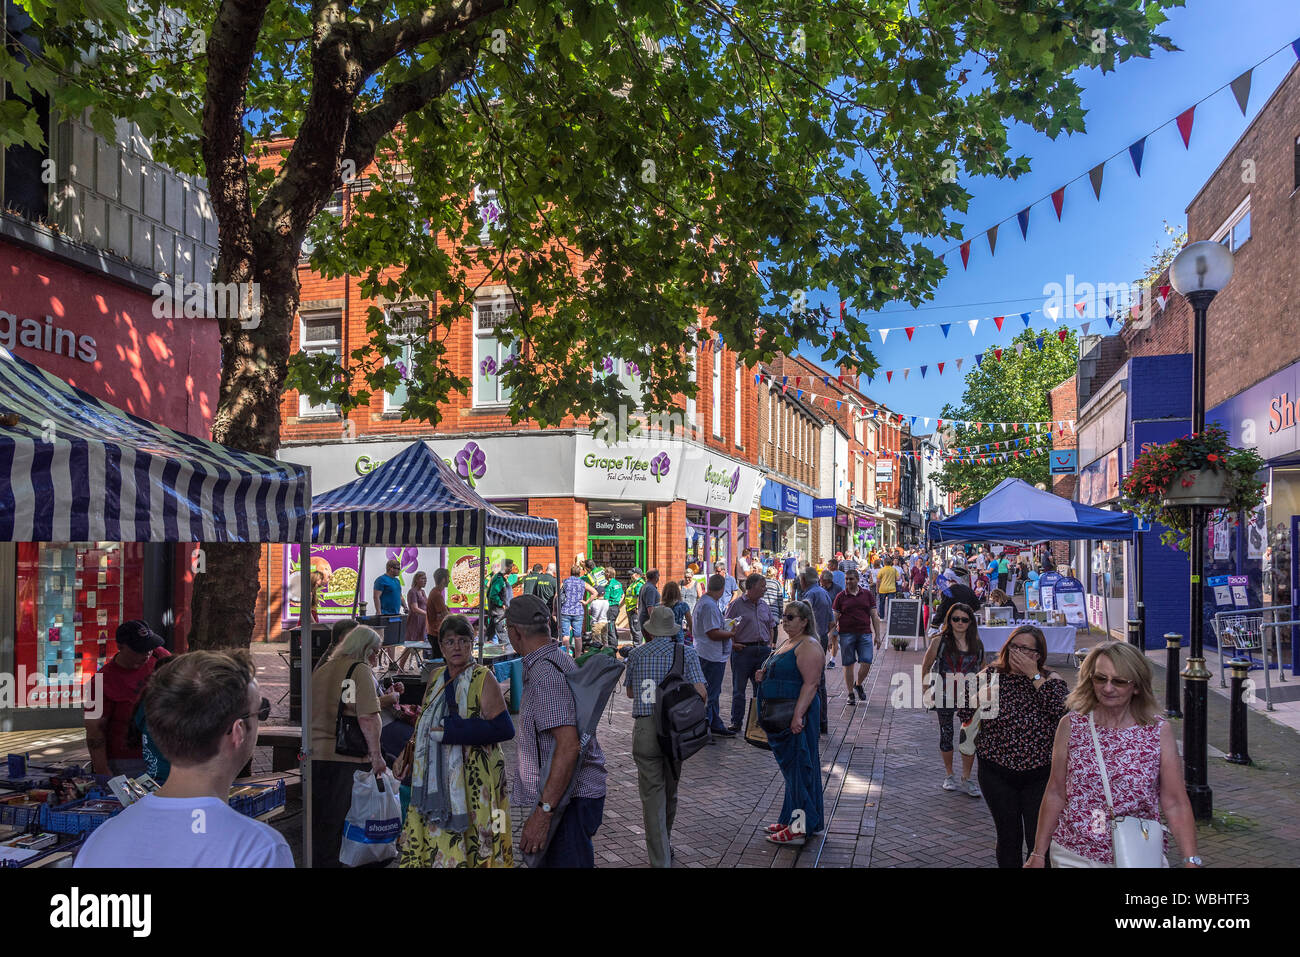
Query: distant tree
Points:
[1013, 389]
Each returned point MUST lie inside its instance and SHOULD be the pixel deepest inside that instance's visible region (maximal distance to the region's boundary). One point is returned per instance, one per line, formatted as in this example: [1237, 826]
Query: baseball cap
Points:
[528, 610]
[138, 636]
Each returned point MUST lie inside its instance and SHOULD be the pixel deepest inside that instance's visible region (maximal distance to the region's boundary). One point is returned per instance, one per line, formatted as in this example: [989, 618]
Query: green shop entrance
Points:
[616, 536]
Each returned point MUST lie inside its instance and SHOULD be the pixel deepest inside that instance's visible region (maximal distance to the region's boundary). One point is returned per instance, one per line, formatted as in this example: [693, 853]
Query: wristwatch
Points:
[1038, 676]
[1194, 860]
[549, 809]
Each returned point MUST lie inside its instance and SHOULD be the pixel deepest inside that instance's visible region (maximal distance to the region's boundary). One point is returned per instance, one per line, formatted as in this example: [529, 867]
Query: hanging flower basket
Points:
[1197, 471]
[1206, 487]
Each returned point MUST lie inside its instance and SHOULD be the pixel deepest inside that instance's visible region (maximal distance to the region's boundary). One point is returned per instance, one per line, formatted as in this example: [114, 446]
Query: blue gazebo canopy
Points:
[416, 499]
[1015, 511]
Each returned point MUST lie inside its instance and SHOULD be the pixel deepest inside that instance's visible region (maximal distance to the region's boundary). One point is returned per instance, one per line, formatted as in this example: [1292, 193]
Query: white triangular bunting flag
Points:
[1052, 312]
[927, 423]
[959, 362]
[884, 334]
[905, 372]
[1020, 348]
[974, 324]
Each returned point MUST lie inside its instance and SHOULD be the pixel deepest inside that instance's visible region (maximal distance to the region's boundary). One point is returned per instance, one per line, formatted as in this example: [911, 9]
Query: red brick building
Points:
[612, 502]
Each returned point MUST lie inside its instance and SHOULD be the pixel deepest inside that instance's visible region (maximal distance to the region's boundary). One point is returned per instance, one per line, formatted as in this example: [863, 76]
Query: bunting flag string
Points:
[1240, 88]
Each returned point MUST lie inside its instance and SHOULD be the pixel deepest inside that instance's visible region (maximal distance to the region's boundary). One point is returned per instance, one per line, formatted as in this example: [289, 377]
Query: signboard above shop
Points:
[1064, 461]
[823, 508]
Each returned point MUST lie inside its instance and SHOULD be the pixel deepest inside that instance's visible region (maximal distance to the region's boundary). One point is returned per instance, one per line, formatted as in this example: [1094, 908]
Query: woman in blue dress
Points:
[794, 671]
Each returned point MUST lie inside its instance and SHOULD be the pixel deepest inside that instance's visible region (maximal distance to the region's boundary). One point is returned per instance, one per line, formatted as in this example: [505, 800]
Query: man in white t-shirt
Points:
[203, 712]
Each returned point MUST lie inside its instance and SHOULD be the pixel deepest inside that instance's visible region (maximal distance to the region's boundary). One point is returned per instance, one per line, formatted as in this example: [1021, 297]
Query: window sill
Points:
[319, 417]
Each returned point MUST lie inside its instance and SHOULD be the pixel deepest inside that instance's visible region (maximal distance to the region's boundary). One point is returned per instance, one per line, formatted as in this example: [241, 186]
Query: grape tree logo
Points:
[488, 367]
[659, 466]
[471, 463]
[735, 483]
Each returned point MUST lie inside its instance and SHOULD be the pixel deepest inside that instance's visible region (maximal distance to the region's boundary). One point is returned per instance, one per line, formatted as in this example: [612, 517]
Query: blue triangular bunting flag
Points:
[979, 358]
[1135, 153]
[1038, 343]
[1025, 317]
[945, 326]
[1022, 218]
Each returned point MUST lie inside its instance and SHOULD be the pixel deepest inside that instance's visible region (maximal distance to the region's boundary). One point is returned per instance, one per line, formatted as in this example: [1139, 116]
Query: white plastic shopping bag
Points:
[374, 820]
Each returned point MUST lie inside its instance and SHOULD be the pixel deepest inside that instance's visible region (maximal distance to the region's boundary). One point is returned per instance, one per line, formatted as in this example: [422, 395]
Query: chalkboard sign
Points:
[904, 618]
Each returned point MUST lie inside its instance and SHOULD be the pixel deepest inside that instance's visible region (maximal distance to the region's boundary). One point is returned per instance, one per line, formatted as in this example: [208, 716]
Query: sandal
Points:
[774, 828]
[786, 836]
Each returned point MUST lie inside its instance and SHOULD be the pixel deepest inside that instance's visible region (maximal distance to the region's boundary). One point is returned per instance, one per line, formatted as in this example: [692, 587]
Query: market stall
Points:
[1016, 512]
[77, 469]
[416, 499]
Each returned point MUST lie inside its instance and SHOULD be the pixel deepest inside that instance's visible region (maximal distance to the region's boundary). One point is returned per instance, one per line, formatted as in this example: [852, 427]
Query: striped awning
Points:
[415, 498]
[75, 469]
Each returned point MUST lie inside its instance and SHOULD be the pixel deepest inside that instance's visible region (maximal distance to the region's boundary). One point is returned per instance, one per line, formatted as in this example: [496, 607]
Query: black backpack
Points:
[680, 715]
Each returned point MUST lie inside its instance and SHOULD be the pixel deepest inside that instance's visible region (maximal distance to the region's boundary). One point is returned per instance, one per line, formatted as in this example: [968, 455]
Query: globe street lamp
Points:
[1197, 274]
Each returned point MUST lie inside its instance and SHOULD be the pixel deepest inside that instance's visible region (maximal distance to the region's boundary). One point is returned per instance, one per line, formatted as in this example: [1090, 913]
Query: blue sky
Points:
[1109, 241]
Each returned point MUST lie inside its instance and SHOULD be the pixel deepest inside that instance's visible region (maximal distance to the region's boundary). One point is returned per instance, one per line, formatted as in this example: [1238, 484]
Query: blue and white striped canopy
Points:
[416, 499]
[75, 469]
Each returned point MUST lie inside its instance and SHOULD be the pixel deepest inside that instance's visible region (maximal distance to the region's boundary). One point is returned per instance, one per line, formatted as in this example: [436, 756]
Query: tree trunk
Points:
[254, 362]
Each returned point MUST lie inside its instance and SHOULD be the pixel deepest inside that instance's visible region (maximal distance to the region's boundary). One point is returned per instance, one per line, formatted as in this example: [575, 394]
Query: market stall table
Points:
[1060, 638]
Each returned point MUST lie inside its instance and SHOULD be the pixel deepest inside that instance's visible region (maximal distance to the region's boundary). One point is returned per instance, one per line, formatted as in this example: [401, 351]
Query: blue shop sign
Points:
[823, 508]
[782, 498]
[1264, 416]
[789, 500]
[1064, 461]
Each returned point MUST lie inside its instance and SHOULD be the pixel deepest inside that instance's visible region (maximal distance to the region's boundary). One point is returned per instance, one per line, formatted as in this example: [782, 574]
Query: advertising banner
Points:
[467, 578]
[1068, 597]
[342, 569]
[1046, 583]
[823, 508]
[716, 481]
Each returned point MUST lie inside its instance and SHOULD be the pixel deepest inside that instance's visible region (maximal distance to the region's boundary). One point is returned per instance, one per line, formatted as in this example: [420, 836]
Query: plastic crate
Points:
[272, 797]
[62, 820]
[22, 817]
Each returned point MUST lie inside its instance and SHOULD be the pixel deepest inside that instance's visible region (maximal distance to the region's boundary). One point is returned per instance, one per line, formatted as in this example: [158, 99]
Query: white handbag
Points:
[1135, 841]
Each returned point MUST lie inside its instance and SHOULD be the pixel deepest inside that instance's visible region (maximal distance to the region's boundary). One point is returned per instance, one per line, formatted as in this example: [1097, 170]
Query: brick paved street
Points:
[884, 806]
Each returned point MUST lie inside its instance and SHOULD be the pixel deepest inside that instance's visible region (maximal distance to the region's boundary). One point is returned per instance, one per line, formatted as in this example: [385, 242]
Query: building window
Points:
[771, 417]
[407, 326]
[333, 208]
[1297, 163]
[694, 378]
[491, 355]
[736, 426]
[316, 334]
[489, 213]
[1236, 229]
[717, 392]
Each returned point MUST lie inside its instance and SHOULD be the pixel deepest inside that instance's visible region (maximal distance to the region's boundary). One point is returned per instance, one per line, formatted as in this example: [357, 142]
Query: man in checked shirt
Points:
[548, 723]
[657, 774]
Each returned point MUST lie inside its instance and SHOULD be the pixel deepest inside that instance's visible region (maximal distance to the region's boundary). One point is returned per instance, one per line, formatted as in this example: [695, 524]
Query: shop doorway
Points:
[620, 554]
[616, 537]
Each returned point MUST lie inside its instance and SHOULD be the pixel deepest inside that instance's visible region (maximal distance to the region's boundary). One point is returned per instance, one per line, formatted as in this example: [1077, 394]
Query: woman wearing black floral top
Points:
[1015, 747]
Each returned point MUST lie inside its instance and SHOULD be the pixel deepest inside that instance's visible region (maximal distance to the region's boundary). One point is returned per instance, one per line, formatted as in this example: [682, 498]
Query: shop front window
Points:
[71, 597]
[1278, 548]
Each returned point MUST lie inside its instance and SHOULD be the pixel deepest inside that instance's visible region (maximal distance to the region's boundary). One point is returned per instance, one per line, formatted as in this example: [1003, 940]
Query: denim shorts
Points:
[855, 648]
[571, 626]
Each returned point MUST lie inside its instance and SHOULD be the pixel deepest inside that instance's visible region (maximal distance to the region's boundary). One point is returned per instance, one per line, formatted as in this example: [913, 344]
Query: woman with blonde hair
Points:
[345, 704]
[1113, 716]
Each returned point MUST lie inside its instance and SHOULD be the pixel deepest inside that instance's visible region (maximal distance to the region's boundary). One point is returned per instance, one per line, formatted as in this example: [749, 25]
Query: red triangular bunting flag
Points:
[909, 330]
[997, 321]
[1185, 126]
[940, 368]
[965, 253]
[998, 353]
[889, 375]
[1060, 334]
[1080, 306]
[1058, 200]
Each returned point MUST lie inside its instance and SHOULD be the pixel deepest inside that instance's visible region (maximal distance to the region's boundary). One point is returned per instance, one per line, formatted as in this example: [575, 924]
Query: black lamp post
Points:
[1198, 273]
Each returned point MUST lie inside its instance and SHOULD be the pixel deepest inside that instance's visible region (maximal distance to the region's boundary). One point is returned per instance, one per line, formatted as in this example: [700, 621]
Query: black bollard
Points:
[1135, 633]
[1237, 753]
[1173, 695]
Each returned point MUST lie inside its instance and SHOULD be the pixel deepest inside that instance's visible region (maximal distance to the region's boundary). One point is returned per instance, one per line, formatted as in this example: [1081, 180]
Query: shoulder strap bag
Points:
[348, 738]
[1135, 841]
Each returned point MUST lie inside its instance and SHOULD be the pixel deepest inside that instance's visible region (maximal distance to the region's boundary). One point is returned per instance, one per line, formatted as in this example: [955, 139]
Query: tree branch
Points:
[377, 47]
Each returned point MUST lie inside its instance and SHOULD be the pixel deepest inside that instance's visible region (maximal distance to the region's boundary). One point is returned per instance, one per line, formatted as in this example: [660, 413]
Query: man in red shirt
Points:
[859, 629]
[121, 682]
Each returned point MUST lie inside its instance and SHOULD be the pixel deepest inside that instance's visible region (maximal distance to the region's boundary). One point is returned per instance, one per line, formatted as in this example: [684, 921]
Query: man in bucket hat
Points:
[657, 775]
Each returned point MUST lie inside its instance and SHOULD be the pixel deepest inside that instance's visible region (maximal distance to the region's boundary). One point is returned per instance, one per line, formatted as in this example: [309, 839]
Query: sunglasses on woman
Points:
[959, 621]
[791, 618]
[1119, 683]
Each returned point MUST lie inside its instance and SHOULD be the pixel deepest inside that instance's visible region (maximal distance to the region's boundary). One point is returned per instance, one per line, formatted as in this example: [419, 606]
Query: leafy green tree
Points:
[1014, 389]
[653, 161]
